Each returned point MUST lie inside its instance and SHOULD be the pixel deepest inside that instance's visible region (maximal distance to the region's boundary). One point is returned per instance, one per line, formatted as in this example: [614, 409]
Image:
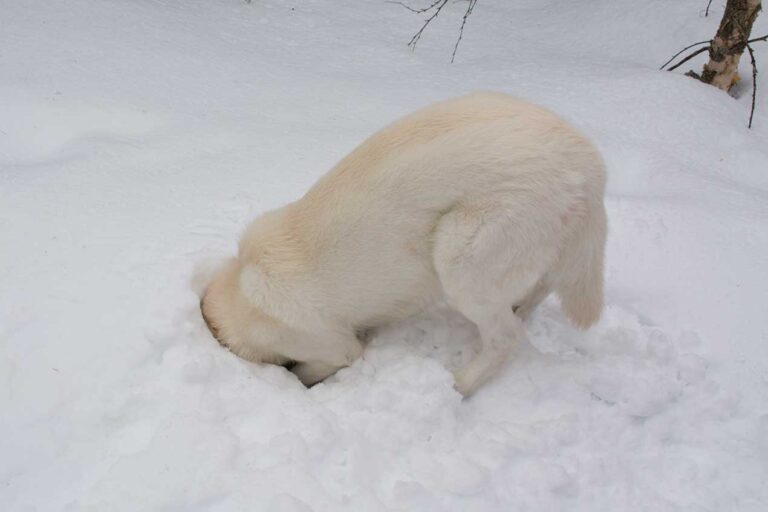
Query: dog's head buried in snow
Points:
[242, 328]
[485, 202]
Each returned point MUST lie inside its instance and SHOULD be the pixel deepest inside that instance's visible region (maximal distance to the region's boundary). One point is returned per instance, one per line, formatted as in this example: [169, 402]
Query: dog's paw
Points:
[462, 384]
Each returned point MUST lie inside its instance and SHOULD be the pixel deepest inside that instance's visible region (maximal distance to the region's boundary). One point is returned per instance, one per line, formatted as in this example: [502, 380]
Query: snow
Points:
[137, 139]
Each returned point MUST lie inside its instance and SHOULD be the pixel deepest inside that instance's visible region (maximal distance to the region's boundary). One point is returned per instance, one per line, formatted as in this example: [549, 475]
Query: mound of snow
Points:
[137, 139]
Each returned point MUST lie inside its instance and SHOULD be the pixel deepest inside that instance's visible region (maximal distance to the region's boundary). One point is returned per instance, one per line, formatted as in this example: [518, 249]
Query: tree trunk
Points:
[729, 43]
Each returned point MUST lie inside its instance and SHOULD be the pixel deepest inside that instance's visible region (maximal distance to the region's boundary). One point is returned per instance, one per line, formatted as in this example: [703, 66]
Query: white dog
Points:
[484, 201]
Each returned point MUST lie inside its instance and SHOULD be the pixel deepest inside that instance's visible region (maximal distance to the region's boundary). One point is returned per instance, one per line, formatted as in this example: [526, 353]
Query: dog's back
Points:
[374, 214]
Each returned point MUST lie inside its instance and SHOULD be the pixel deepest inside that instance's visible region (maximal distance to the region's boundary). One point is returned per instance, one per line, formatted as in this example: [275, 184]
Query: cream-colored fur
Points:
[484, 201]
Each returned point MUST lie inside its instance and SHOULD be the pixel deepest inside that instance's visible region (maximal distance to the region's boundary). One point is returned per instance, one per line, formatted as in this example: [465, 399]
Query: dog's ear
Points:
[258, 287]
[284, 298]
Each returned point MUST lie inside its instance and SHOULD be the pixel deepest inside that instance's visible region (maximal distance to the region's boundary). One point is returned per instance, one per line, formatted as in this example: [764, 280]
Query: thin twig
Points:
[754, 84]
[760, 39]
[417, 11]
[470, 6]
[681, 51]
[706, 11]
[700, 50]
[437, 6]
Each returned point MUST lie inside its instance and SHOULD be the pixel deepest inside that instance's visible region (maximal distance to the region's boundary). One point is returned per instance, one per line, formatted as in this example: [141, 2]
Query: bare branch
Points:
[706, 11]
[437, 6]
[700, 50]
[681, 51]
[470, 6]
[434, 9]
[754, 83]
[417, 11]
[760, 39]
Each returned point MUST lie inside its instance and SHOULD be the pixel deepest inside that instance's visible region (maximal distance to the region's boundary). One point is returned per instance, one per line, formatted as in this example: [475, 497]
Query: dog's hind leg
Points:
[500, 332]
[486, 259]
[540, 292]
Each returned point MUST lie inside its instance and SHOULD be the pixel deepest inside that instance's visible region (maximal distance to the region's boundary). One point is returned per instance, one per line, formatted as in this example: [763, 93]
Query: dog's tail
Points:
[580, 283]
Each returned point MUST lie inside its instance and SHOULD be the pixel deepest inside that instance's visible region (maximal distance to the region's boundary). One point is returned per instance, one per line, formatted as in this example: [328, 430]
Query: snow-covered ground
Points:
[136, 140]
